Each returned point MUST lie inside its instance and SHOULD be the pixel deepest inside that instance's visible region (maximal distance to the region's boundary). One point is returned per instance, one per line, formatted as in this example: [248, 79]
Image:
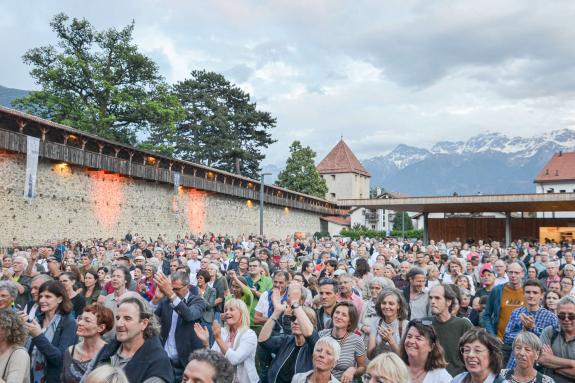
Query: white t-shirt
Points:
[263, 304]
[439, 375]
[194, 267]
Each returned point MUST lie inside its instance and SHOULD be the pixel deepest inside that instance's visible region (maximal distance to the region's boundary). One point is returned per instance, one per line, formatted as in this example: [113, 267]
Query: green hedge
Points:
[357, 233]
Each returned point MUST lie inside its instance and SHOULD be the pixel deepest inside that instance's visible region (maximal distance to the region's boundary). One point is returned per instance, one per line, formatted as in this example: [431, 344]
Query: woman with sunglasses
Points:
[351, 363]
[146, 286]
[299, 345]
[423, 354]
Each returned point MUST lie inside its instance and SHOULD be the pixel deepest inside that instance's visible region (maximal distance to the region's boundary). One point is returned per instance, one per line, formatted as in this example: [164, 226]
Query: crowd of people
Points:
[218, 309]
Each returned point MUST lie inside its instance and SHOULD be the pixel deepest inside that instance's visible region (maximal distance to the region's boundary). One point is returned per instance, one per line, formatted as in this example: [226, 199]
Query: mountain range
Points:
[8, 94]
[488, 163]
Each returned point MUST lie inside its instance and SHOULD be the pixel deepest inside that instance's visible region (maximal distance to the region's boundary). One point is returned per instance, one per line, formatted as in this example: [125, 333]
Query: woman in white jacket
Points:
[235, 341]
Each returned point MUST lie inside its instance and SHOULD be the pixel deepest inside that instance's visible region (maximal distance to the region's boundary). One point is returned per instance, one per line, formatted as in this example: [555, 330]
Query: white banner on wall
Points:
[32, 152]
[176, 181]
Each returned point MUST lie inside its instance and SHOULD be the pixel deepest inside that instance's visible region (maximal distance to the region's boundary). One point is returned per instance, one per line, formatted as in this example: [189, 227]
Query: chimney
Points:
[557, 172]
[546, 172]
[560, 153]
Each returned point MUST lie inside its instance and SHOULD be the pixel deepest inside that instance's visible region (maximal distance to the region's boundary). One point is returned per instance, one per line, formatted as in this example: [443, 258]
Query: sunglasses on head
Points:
[563, 316]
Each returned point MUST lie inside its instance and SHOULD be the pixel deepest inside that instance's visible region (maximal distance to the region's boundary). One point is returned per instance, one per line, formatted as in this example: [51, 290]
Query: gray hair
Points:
[44, 277]
[529, 339]
[181, 276]
[10, 287]
[566, 300]
[23, 257]
[331, 343]
[383, 282]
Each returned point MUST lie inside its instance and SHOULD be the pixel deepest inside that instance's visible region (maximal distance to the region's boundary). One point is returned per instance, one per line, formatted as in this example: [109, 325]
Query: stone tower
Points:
[344, 175]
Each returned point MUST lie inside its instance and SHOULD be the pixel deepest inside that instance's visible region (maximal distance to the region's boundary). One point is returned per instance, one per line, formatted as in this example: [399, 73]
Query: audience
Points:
[167, 303]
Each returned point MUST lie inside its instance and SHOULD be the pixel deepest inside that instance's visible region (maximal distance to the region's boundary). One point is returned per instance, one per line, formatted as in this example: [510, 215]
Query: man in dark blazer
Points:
[178, 311]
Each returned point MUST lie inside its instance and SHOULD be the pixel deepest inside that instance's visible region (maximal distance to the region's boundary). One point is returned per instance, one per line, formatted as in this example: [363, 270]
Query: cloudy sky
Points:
[380, 73]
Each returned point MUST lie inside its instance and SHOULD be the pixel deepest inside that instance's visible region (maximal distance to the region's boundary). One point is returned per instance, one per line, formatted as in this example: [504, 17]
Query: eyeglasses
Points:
[177, 289]
[477, 351]
[563, 316]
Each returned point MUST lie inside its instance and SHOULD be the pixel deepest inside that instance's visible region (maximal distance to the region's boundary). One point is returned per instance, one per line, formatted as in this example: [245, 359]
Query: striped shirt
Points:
[351, 348]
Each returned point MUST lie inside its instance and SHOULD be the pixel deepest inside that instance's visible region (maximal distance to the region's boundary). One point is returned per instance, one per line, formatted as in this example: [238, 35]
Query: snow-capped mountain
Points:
[486, 163]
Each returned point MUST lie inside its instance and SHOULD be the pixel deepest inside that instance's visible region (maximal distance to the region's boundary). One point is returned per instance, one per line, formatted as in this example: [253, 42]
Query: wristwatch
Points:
[295, 306]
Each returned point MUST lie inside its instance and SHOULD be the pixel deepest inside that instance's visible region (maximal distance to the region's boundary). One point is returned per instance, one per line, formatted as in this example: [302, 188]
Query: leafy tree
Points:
[98, 82]
[400, 218]
[221, 127]
[300, 173]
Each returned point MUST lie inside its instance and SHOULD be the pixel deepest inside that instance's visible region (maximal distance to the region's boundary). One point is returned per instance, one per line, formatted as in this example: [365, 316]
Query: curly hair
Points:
[223, 369]
[13, 328]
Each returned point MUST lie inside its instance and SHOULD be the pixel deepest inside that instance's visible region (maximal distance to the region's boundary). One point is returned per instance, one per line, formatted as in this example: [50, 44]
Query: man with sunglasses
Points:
[558, 353]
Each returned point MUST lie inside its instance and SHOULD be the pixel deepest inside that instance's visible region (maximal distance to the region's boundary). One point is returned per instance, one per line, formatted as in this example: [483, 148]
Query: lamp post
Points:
[262, 202]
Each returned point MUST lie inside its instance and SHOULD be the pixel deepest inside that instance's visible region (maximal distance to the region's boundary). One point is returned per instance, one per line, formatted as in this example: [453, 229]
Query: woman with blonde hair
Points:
[107, 374]
[236, 340]
[386, 367]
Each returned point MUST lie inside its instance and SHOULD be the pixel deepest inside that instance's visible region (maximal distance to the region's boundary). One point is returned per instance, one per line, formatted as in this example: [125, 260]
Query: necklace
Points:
[514, 379]
[419, 377]
[339, 340]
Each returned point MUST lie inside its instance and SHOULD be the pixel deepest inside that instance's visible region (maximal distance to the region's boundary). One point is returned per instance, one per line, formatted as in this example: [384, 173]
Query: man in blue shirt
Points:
[531, 317]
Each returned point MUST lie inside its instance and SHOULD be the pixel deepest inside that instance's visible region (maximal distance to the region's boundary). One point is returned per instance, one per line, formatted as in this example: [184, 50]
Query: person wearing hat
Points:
[54, 267]
[487, 281]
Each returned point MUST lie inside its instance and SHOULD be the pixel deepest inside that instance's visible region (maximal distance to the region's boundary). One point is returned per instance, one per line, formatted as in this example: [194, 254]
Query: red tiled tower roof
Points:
[561, 167]
[341, 160]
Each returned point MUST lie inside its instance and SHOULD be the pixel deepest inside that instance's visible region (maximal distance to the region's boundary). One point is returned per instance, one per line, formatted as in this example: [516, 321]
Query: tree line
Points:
[99, 82]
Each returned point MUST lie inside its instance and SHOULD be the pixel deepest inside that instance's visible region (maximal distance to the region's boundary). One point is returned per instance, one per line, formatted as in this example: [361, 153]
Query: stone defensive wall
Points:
[90, 187]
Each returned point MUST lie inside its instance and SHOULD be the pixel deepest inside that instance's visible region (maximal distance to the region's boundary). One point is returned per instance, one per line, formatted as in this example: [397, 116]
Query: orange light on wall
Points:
[250, 185]
[210, 175]
[151, 160]
[286, 210]
[196, 210]
[62, 168]
[106, 191]
[249, 203]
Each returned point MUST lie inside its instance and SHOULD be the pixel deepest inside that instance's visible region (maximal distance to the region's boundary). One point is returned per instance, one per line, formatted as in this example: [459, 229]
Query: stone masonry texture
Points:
[76, 203]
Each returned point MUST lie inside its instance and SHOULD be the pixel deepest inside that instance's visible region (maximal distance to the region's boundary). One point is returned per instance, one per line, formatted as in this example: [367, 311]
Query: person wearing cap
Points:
[54, 267]
[487, 280]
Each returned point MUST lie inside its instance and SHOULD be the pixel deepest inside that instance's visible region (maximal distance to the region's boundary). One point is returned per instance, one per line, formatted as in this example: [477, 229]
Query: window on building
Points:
[333, 177]
[550, 190]
[332, 195]
[562, 191]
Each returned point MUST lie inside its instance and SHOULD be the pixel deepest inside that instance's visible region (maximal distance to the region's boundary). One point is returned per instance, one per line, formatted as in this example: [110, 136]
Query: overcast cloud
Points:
[379, 73]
